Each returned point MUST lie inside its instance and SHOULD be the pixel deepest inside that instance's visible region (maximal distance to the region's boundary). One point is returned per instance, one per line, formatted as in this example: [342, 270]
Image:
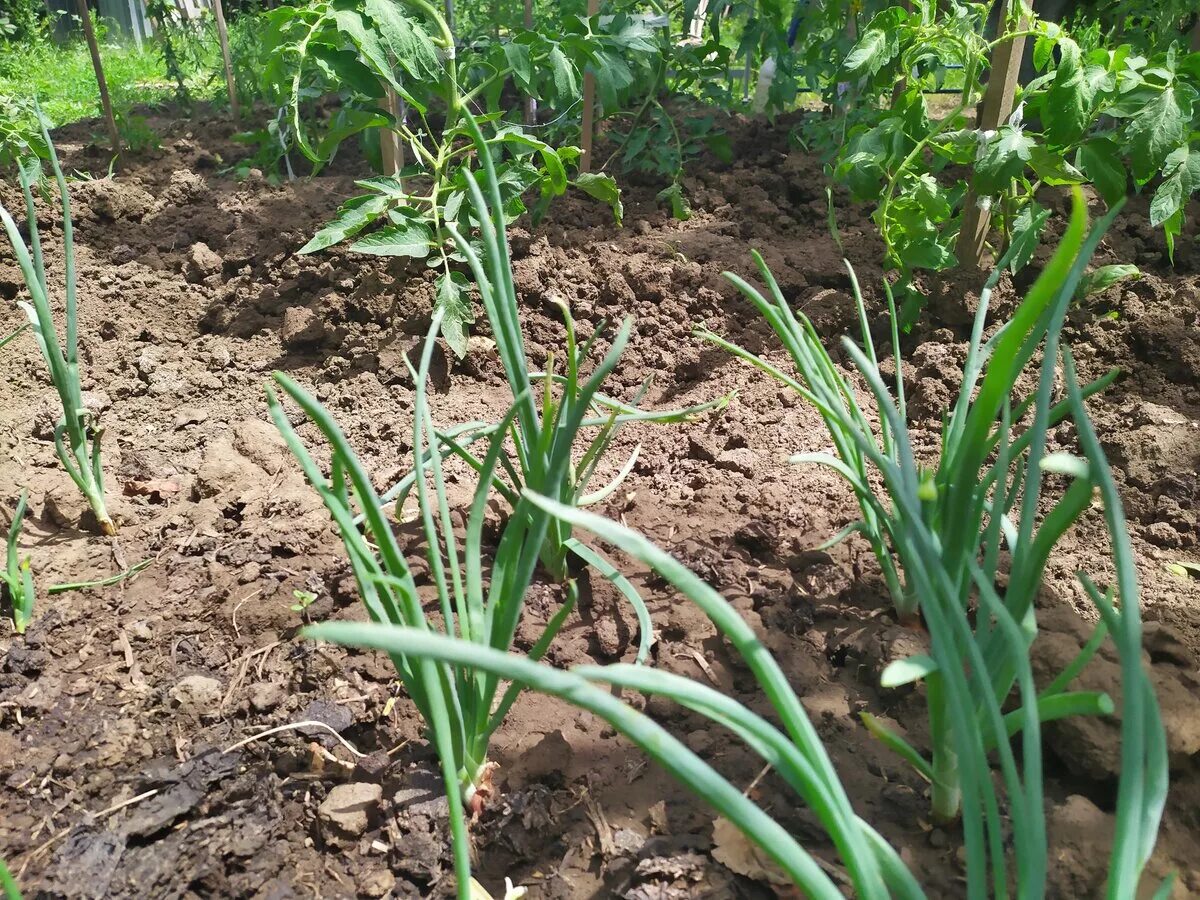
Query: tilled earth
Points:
[119, 707]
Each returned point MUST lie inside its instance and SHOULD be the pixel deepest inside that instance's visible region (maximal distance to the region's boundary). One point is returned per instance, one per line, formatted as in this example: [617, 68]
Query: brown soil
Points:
[118, 692]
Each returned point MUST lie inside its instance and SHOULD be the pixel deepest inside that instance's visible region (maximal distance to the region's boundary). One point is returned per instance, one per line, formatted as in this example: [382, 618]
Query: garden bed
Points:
[191, 294]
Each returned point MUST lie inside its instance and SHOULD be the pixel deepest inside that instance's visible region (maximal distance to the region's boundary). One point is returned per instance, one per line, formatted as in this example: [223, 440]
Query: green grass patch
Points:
[62, 80]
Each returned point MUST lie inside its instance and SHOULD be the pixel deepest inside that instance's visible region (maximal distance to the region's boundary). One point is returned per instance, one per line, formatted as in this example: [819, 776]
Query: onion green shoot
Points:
[17, 578]
[463, 707]
[954, 533]
[8, 883]
[77, 434]
[8, 339]
[796, 752]
[17, 575]
[545, 402]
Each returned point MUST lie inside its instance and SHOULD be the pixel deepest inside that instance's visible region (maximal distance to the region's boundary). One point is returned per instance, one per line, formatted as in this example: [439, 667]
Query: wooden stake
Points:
[589, 105]
[695, 28]
[105, 101]
[902, 82]
[135, 23]
[223, 37]
[997, 106]
[390, 148]
[530, 102]
[1196, 35]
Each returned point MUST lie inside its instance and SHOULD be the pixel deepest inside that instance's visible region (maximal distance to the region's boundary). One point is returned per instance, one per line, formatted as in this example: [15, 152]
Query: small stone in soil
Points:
[189, 415]
[199, 695]
[703, 448]
[201, 262]
[265, 696]
[373, 766]
[140, 631]
[375, 883]
[346, 812]
[329, 713]
[301, 326]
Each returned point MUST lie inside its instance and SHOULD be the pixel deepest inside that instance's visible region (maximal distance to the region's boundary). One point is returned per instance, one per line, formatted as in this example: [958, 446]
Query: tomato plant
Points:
[356, 53]
[1112, 118]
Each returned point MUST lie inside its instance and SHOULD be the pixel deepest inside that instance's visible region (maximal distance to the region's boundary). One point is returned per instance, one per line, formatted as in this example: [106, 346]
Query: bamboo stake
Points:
[105, 101]
[589, 105]
[971, 248]
[223, 37]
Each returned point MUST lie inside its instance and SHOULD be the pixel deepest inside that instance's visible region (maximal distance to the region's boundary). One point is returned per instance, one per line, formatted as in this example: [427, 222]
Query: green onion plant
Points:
[77, 434]
[461, 706]
[545, 402]
[793, 748]
[8, 883]
[9, 338]
[984, 516]
[979, 682]
[16, 577]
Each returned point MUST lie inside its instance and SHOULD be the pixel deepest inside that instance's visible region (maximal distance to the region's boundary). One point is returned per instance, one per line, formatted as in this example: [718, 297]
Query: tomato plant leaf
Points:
[1049, 166]
[680, 208]
[366, 38]
[405, 239]
[518, 59]
[1105, 277]
[603, 188]
[564, 77]
[869, 55]
[1155, 130]
[352, 217]
[1101, 162]
[1002, 159]
[556, 171]
[1069, 100]
[454, 298]
[410, 46]
[343, 66]
[1176, 187]
[1026, 232]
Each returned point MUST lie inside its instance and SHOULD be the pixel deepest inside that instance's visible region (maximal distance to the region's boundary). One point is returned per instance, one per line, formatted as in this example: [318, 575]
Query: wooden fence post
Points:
[971, 248]
[105, 101]
[227, 60]
[589, 105]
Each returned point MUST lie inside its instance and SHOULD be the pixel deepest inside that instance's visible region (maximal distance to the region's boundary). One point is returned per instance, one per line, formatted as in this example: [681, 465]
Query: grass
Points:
[61, 78]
